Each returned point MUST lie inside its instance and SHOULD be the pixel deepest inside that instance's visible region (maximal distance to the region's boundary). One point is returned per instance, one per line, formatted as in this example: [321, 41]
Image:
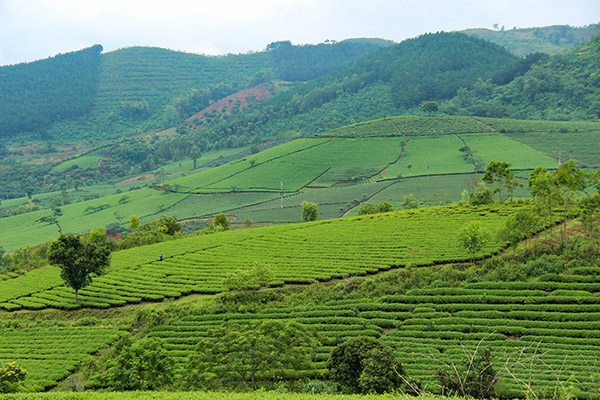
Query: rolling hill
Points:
[549, 39]
[433, 158]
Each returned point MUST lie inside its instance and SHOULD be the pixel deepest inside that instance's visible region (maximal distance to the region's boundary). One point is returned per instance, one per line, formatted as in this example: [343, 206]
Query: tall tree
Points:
[78, 260]
[568, 181]
[499, 172]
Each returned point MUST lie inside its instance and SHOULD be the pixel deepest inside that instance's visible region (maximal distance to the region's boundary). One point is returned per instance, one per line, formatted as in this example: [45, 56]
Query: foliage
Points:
[310, 211]
[481, 196]
[364, 365]
[78, 260]
[142, 365]
[519, 226]
[475, 377]
[409, 202]
[249, 356]
[220, 223]
[37, 94]
[499, 172]
[570, 93]
[259, 276]
[11, 377]
[473, 238]
[429, 107]
[369, 208]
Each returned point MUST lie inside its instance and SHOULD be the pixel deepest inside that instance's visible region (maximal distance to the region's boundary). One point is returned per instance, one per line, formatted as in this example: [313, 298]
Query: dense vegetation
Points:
[35, 95]
[563, 87]
[434, 158]
[549, 39]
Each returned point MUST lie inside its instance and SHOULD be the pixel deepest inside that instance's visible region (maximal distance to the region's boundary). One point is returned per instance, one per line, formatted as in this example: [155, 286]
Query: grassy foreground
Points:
[258, 395]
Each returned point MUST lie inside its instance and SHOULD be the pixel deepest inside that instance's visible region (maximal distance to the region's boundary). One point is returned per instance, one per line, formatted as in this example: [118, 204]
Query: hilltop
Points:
[549, 39]
[432, 158]
[134, 129]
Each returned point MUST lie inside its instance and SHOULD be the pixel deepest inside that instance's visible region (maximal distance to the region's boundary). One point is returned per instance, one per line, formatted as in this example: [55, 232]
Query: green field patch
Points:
[363, 156]
[333, 203]
[50, 354]
[494, 147]
[411, 125]
[207, 205]
[507, 125]
[202, 181]
[83, 162]
[148, 204]
[431, 155]
[580, 146]
[296, 253]
[27, 229]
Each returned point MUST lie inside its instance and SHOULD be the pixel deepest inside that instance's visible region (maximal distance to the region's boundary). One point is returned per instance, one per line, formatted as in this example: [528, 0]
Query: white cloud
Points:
[35, 29]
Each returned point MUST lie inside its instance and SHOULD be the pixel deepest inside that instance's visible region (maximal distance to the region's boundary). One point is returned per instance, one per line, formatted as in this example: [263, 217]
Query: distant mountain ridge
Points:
[121, 88]
[549, 39]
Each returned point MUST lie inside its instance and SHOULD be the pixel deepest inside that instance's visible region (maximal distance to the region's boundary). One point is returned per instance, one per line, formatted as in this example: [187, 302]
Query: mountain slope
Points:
[391, 80]
[35, 95]
[127, 90]
[566, 86]
[549, 39]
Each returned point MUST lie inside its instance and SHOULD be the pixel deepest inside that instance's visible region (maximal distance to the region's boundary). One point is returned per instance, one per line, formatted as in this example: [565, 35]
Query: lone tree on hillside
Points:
[473, 238]
[499, 172]
[310, 211]
[78, 260]
[429, 107]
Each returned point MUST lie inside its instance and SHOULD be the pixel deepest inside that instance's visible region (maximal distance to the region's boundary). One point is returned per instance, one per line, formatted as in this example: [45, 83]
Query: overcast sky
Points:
[36, 29]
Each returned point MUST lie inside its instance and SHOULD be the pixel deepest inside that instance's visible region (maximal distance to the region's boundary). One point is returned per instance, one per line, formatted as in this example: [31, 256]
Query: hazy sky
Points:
[35, 29]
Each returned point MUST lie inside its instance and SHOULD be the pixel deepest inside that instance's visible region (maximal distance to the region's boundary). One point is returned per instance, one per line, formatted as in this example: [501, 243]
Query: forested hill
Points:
[549, 39]
[565, 86]
[390, 81]
[135, 89]
[35, 95]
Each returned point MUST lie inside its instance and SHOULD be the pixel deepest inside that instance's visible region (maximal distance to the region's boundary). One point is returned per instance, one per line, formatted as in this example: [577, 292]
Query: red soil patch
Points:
[138, 178]
[238, 100]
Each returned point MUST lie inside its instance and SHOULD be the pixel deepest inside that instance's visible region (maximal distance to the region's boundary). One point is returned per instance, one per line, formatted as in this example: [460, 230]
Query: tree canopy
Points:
[78, 260]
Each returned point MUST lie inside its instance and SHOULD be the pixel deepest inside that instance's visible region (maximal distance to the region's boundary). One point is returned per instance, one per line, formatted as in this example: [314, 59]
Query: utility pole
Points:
[281, 193]
[427, 169]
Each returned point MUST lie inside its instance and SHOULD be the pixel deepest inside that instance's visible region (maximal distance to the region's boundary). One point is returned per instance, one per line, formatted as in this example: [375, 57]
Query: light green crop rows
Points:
[26, 229]
[300, 253]
[410, 126]
[260, 395]
[50, 354]
[559, 320]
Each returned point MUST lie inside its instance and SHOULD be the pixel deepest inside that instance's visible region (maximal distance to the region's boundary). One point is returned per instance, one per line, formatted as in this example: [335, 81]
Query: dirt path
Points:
[489, 126]
[399, 131]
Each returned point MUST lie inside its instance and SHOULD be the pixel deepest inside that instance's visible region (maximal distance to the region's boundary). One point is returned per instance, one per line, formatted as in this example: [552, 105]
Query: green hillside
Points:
[563, 87]
[382, 159]
[549, 39]
[134, 89]
[38, 94]
[429, 312]
[390, 81]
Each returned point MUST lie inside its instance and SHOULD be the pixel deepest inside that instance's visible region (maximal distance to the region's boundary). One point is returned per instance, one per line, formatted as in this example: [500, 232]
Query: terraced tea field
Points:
[298, 253]
[359, 155]
[557, 319]
[51, 354]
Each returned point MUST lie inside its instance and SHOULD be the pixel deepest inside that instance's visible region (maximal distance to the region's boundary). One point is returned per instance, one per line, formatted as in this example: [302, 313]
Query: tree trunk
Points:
[76, 296]
[565, 228]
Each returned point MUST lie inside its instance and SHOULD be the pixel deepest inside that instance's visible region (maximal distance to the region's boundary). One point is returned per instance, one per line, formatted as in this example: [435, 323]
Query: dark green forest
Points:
[35, 95]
